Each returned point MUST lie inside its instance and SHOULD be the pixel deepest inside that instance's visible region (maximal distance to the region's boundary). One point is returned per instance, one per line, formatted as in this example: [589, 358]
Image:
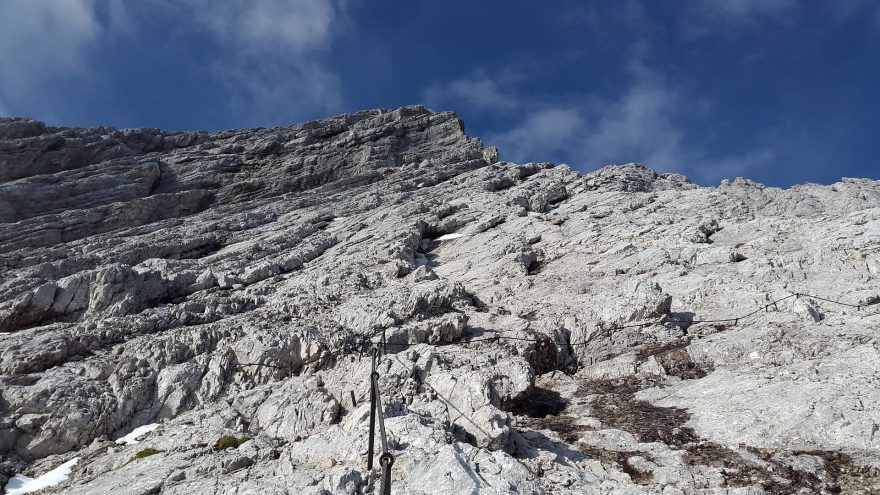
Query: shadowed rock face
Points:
[222, 285]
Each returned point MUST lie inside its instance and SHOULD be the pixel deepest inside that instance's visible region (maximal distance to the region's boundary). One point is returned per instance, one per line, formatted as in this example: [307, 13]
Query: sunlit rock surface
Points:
[223, 284]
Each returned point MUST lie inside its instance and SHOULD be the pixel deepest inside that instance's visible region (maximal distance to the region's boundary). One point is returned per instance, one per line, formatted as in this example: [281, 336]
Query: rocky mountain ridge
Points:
[549, 332]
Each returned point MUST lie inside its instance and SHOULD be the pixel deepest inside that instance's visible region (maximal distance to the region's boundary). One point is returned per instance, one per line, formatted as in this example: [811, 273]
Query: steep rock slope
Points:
[547, 332]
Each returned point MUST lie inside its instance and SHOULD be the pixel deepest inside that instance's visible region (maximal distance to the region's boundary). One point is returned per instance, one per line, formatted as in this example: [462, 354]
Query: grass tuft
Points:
[147, 452]
[229, 441]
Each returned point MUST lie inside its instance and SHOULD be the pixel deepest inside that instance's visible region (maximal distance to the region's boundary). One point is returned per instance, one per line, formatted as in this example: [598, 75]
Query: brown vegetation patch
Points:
[847, 476]
[840, 473]
[564, 426]
[615, 405]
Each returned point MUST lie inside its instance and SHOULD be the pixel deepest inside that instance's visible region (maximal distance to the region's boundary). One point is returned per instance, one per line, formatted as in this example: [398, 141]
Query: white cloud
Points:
[272, 65]
[726, 17]
[541, 133]
[279, 94]
[270, 58]
[264, 25]
[647, 125]
[729, 17]
[743, 10]
[646, 122]
[640, 126]
[478, 91]
[844, 10]
[42, 39]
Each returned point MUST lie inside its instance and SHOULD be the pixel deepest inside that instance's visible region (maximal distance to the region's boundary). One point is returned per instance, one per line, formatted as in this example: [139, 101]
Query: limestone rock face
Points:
[546, 332]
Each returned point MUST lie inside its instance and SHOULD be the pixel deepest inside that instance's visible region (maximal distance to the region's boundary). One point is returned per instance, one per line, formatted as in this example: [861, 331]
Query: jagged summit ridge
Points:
[220, 284]
[127, 178]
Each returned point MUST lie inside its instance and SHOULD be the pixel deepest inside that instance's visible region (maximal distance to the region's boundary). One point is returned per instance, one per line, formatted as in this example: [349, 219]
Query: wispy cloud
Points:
[41, 40]
[261, 95]
[270, 56]
[272, 65]
[645, 122]
[541, 134]
[477, 90]
[638, 126]
[741, 11]
[642, 124]
[294, 26]
[703, 18]
[844, 10]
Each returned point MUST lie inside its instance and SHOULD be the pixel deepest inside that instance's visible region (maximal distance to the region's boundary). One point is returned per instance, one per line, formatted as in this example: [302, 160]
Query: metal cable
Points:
[733, 320]
[445, 400]
[366, 342]
[857, 306]
[386, 459]
[449, 405]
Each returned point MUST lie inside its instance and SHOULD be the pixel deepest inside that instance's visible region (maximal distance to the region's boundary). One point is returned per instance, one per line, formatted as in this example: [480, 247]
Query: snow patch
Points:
[448, 237]
[136, 434]
[22, 484]
[420, 259]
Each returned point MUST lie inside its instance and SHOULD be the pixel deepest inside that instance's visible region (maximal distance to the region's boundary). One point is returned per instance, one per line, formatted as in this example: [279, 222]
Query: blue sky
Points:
[780, 91]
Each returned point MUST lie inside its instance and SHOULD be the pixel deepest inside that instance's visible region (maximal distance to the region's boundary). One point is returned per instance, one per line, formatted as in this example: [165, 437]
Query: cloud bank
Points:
[644, 122]
[268, 56]
[41, 40]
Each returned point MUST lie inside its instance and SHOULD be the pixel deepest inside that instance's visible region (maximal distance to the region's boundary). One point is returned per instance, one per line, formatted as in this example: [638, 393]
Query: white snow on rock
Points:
[22, 484]
[449, 237]
[137, 434]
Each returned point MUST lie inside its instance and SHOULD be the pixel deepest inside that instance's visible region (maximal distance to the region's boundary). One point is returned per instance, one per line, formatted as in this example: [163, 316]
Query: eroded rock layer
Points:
[222, 285]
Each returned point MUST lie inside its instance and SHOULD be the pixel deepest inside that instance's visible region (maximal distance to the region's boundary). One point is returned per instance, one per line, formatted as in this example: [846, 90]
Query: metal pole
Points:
[380, 411]
[386, 459]
[371, 440]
